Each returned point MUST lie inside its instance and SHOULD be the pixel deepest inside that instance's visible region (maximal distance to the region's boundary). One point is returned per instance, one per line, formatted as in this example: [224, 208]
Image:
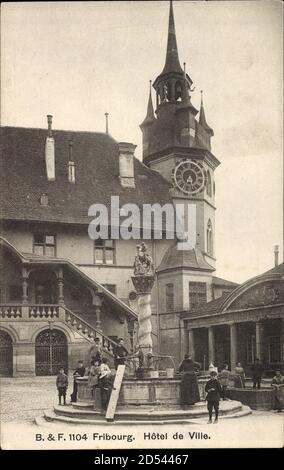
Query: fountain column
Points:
[143, 281]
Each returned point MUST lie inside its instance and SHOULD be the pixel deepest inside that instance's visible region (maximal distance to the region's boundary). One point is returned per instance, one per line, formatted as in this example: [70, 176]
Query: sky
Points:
[77, 61]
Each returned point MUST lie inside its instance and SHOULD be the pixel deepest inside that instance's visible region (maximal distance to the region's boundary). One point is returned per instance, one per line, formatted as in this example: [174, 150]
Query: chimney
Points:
[126, 164]
[276, 255]
[49, 151]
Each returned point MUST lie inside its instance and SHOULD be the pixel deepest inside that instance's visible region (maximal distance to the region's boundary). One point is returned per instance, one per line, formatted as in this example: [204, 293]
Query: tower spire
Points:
[202, 118]
[150, 116]
[172, 60]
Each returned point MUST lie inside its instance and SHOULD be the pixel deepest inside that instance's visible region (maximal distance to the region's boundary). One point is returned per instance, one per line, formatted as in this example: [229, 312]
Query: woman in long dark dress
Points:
[189, 392]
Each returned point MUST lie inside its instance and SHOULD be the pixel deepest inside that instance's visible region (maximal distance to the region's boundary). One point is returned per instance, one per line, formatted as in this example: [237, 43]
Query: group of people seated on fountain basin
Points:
[100, 377]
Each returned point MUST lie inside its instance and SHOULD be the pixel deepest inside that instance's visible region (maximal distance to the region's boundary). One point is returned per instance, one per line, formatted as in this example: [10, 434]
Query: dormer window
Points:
[71, 172]
[44, 200]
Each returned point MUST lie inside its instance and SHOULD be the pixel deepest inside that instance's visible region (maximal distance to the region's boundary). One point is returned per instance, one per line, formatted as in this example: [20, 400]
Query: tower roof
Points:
[172, 60]
[150, 116]
[184, 259]
[202, 118]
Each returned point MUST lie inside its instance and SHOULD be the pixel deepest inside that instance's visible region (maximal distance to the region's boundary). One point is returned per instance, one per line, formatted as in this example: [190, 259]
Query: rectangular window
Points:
[197, 294]
[104, 252]
[274, 349]
[15, 293]
[110, 287]
[44, 244]
[251, 349]
[169, 297]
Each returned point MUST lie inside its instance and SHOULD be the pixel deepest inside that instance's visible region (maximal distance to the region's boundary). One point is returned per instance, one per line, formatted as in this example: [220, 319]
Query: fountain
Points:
[148, 395]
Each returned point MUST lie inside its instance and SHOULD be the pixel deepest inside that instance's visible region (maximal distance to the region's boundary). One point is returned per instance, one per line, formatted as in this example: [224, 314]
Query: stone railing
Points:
[43, 311]
[10, 311]
[89, 331]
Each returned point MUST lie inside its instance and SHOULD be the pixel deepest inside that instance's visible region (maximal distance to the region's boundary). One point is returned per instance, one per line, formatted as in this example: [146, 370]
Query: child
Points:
[62, 384]
[213, 389]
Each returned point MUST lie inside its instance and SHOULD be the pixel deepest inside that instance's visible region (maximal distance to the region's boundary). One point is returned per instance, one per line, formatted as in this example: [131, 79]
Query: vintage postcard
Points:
[141, 286]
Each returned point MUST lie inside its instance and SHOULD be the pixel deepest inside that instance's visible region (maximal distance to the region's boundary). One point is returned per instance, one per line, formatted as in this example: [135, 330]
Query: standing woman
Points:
[189, 392]
[239, 376]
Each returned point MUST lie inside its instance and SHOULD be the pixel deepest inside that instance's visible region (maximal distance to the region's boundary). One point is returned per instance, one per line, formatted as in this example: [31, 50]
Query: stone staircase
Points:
[88, 331]
[83, 413]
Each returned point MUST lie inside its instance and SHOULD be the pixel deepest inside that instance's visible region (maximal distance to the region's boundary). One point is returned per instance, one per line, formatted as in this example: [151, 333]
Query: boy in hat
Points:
[62, 384]
[214, 390]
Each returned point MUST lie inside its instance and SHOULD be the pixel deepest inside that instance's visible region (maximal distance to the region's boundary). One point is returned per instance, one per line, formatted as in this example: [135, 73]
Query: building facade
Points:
[241, 326]
[60, 288]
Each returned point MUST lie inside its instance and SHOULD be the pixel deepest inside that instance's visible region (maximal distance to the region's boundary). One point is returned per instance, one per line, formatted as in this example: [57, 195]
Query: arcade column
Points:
[211, 345]
[233, 345]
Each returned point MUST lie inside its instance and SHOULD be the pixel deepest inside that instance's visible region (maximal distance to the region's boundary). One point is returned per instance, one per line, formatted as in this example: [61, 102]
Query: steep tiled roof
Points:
[186, 259]
[24, 177]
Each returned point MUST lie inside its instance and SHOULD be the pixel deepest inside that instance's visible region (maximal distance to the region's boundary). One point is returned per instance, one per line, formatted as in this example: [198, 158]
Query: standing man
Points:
[79, 372]
[213, 389]
[120, 353]
[278, 384]
[257, 371]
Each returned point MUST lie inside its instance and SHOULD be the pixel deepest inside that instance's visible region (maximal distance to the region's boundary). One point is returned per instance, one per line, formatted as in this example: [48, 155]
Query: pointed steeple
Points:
[150, 116]
[172, 60]
[202, 119]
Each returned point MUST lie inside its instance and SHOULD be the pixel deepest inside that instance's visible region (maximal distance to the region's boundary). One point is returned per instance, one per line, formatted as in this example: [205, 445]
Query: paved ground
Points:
[23, 399]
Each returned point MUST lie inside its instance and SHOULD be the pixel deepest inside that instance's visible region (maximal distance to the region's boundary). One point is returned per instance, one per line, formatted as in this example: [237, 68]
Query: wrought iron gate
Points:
[6, 355]
[51, 352]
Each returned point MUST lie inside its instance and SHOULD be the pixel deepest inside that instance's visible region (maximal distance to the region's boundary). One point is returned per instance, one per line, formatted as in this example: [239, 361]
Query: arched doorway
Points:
[6, 354]
[51, 352]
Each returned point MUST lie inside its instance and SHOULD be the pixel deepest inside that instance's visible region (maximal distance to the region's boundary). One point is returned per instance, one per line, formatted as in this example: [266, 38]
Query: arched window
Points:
[166, 91]
[209, 238]
[209, 184]
[178, 91]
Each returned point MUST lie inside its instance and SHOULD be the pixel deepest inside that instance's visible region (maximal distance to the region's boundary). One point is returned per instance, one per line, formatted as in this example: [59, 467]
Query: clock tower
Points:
[177, 144]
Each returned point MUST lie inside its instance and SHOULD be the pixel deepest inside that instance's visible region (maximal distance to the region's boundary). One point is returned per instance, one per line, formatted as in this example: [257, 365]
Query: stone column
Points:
[191, 342]
[233, 341]
[97, 302]
[211, 345]
[25, 278]
[258, 339]
[60, 286]
[143, 285]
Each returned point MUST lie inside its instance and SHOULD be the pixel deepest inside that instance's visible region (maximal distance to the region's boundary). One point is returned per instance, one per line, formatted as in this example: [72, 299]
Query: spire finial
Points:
[172, 60]
[106, 115]
[150, 116]
[202, 118]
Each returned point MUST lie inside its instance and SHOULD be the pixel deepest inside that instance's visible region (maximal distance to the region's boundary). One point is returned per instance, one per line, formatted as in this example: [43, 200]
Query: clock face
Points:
[189, 177]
